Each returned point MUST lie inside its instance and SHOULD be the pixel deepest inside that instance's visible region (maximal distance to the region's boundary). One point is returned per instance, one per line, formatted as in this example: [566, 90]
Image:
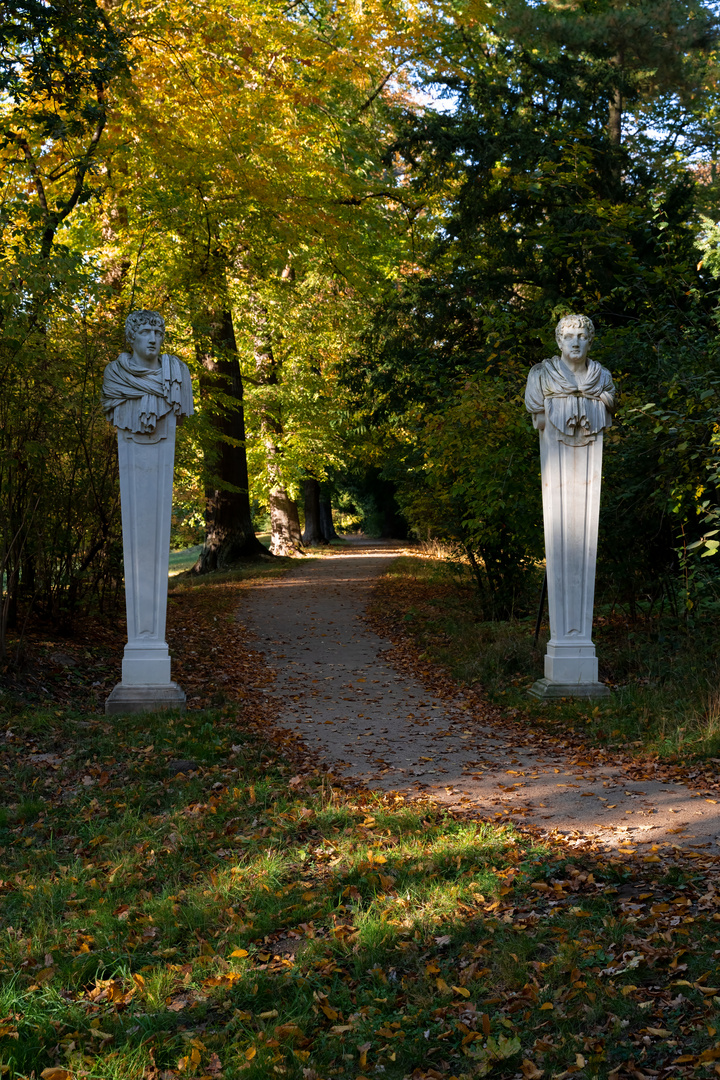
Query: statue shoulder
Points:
[546, 366]
[120, 361]
[541, 369]
[176, 363]
[601, 372]
[537, 369]
[533, 390]
[114, 371]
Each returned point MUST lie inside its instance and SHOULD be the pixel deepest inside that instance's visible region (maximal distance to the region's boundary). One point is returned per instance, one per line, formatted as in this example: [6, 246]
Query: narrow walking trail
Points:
[363, 718]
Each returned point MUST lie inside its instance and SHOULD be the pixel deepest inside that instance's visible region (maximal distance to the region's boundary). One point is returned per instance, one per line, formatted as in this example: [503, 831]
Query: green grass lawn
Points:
[229, 917]
[181, 561]
[185, 559]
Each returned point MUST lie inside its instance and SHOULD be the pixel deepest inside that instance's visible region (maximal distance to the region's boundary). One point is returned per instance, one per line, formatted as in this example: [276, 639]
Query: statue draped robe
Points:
[578, 409]
[577, 405]
[135, 398]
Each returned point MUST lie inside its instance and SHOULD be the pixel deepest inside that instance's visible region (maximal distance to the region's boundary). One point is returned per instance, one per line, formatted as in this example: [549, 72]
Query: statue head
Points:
[138, 319]
[575, 321]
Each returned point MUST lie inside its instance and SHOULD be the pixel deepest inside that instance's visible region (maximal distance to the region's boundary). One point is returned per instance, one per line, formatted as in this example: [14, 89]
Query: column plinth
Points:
[146, 481]
[571, 482]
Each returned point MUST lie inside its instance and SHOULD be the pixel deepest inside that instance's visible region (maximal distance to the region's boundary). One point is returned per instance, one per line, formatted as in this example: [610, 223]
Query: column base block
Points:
[548, 690]
[126, 699]
[149, 668]
[574, 664]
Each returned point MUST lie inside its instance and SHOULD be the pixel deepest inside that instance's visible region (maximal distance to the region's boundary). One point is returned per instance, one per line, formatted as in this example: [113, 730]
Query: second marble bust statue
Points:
[574, 393]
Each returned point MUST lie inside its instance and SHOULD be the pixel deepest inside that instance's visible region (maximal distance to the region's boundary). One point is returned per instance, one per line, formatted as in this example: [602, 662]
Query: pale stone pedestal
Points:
[547, 690]
[571, 479]
[139, 699]
[146, 478]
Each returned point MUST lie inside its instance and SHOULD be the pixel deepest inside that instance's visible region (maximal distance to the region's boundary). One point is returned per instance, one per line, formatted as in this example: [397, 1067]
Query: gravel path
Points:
[363, 718]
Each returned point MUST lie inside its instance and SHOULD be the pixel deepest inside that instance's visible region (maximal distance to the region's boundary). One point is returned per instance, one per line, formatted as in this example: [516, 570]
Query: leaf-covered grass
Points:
[176, 902]
[76, 665]
[665, 677]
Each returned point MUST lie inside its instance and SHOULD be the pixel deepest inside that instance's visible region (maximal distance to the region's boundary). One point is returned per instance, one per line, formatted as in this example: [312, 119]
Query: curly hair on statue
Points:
[575, 320]
[136, 319]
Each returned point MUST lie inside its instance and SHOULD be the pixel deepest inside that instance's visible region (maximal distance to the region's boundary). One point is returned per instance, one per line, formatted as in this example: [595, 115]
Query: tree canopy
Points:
[361, 222]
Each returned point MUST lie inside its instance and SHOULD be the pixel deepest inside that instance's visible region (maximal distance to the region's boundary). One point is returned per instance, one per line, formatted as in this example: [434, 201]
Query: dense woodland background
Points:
[361, 221]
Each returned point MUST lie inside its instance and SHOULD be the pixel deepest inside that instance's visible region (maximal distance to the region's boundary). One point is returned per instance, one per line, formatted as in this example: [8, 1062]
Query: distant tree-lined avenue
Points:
[361, 222]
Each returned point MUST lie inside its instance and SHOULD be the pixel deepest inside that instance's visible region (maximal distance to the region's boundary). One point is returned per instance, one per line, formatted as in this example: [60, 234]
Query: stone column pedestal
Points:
[571, 480]
[146, 480]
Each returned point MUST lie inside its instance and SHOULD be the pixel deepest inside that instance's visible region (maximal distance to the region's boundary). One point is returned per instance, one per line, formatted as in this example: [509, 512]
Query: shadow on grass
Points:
[179, 904]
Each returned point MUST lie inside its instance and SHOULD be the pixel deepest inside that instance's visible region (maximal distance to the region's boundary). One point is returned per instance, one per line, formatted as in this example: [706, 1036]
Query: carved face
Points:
[574, 343]
[147, 342]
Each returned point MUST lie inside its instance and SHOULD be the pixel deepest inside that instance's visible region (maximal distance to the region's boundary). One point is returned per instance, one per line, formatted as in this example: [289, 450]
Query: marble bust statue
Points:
[572, 393]
[145, 394]
[571, 399]
[144, 385]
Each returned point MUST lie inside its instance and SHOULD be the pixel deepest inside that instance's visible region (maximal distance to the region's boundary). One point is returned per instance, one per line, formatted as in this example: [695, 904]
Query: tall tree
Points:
[641, 48]
[537, 209]
[313, 532]
[263, 127]
[57, 61]
[284, 517]
[60, 67]
[229, 533]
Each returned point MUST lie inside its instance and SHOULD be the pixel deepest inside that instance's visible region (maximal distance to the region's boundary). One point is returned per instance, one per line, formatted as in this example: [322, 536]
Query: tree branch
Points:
[32, 165]
[358, 200]
[378, 90]
[54, 219]
[81, 172]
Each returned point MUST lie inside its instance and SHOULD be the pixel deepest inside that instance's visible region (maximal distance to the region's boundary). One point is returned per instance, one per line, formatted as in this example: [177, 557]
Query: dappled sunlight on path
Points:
[375, 723]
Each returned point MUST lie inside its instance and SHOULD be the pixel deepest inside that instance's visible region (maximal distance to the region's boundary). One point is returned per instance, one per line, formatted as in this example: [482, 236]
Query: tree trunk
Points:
[615, 110]
[615, 113]
[229, 533]
[313, 529]
[327, 527]
[285, 524]
[284, 518]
